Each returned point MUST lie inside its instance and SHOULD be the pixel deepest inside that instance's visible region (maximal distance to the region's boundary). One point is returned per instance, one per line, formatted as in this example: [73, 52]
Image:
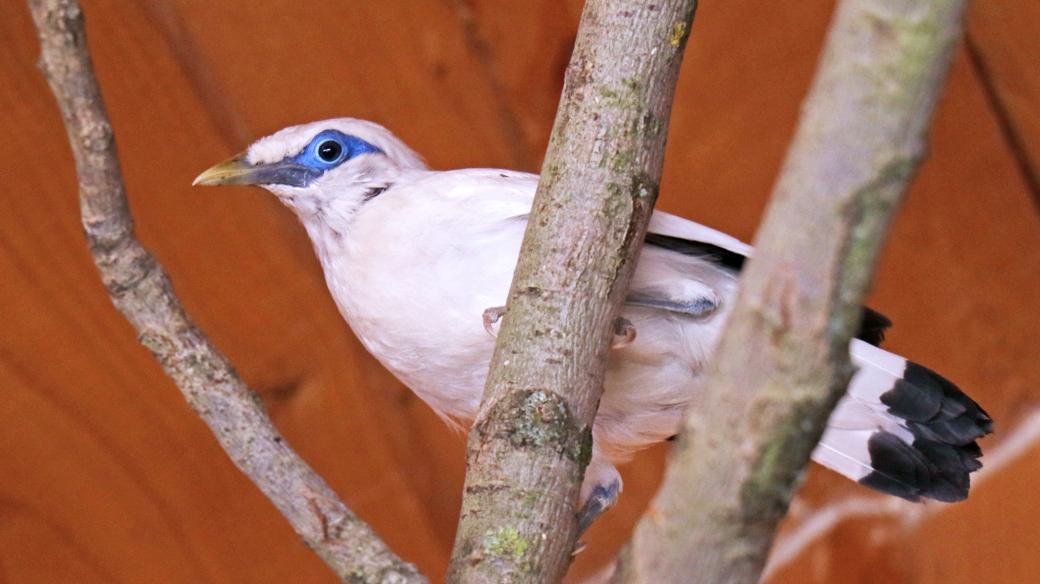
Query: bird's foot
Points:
[624, 333]
[491, 317]
[600, 499]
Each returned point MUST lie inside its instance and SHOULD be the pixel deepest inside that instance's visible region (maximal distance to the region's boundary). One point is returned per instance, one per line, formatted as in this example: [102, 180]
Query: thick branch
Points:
[531, 441]
[783, 362]
[142, 291]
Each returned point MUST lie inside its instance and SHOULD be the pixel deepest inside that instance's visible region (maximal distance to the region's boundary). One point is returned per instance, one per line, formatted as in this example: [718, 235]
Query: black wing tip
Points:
[873, 326]
[945, 424]
[728, 259]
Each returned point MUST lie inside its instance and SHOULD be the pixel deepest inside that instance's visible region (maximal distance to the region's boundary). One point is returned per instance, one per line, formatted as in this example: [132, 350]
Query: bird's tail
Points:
[903, 429]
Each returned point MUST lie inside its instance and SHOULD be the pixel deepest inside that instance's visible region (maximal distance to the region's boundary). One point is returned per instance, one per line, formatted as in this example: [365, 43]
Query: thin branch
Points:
[531, 440]
[142, 291]
[996, 99]
[782, 362]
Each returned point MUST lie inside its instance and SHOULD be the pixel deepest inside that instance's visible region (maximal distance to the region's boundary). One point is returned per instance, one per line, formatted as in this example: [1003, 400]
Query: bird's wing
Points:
[901, 428]
[687, 238]
[674, 227]
[685, 268]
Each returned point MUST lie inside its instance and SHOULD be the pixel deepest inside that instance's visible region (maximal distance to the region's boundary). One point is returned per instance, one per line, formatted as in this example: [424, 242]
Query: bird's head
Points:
[307, 166]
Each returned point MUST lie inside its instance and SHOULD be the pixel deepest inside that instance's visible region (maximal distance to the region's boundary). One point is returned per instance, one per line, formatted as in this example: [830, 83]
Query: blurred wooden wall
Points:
[105, 474]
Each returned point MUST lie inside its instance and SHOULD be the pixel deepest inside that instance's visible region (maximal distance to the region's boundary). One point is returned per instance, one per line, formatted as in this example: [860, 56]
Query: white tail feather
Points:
[860, 413]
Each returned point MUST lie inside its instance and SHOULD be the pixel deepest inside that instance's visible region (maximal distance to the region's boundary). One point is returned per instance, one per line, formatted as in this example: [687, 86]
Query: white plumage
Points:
[414, 257]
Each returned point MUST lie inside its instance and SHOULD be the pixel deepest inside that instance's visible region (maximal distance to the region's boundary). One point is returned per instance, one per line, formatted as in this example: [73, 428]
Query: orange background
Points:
[107, 476]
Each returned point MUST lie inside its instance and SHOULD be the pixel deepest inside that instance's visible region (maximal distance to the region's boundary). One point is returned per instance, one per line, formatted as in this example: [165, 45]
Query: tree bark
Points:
[142, 291]
[531, 439]
[782, 362]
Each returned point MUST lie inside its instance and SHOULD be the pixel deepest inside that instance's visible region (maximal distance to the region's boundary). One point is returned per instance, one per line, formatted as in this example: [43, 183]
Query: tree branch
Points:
[142, 291]
[531, 439]
[782, 362]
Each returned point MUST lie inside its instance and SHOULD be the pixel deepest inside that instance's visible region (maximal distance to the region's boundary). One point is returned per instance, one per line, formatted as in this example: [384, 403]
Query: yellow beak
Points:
[236, 171]
[233, 171]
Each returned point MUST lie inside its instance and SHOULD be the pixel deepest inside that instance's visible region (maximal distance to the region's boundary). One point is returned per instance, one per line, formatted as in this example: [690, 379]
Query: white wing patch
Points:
[674, 226]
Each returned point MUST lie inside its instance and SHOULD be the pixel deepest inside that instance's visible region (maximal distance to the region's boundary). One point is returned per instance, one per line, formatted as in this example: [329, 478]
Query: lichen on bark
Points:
[595, 196]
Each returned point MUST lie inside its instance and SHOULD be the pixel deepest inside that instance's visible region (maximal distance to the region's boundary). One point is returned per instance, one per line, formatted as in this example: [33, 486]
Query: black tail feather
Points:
[945, 424]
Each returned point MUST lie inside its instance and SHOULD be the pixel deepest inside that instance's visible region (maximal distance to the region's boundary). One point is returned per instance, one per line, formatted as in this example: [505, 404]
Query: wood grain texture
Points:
[99, 483]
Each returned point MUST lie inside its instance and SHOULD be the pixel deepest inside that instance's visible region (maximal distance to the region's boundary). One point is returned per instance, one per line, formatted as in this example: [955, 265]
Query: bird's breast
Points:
[420, 315]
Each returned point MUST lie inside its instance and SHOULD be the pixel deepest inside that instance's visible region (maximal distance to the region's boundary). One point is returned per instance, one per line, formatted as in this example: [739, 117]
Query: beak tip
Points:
[204, 180]
[231, 171]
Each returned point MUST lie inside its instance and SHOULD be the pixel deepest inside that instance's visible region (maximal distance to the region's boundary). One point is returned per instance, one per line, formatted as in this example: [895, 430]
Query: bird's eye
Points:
[330, 150]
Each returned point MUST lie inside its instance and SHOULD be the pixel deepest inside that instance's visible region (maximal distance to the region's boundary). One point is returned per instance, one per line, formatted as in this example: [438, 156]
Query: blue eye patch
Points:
[326, 151]
[332, 148]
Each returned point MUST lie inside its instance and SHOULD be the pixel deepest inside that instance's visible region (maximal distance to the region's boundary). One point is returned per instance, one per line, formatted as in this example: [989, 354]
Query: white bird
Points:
[414, 259]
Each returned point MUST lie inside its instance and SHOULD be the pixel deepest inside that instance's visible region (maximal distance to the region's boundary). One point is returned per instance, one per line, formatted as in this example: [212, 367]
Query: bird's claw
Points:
[600, 499]
[491, 317]
[624, 333]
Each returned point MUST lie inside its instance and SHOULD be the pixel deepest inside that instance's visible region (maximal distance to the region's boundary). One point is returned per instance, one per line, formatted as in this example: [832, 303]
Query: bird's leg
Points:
[599, 491]
[600, 499]
[624, 333]
[491, 317]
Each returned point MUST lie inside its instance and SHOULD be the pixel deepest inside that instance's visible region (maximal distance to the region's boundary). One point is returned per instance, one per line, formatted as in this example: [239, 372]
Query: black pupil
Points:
[329, 150]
